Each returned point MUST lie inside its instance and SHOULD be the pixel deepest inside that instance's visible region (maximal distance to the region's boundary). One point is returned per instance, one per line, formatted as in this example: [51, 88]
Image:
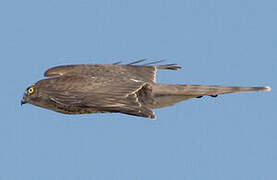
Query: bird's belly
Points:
[76, 110]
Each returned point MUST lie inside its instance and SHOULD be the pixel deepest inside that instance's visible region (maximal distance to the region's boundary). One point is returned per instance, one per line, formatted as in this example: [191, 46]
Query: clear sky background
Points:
[215, 41]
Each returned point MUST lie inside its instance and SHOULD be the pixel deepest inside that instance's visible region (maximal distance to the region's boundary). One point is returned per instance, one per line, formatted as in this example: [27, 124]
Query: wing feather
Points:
[143, 73]
[103, 94]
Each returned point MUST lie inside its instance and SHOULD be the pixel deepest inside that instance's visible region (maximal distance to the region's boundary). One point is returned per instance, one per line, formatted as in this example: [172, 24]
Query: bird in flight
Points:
[115, 88]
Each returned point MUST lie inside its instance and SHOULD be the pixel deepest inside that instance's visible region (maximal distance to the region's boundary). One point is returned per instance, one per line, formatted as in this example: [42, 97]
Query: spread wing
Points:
[101, 93]
[142, 73]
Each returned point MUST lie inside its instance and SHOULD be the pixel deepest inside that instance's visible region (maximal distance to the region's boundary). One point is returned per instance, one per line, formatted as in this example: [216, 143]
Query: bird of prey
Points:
[115, 88]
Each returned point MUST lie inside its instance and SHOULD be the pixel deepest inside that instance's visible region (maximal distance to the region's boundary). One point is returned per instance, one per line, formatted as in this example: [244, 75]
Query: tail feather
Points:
[202, 90]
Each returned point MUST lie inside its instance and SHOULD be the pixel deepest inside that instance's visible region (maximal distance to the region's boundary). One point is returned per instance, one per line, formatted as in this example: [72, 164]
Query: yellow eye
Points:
[31, 90]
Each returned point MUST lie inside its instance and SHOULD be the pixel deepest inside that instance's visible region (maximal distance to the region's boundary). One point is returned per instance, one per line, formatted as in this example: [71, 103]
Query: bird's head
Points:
[30, 95]
[33, 95]
[38, 96]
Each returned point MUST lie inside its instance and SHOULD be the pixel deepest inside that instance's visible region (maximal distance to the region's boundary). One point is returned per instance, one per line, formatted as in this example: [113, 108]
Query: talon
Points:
[214, 95]
[199, 96]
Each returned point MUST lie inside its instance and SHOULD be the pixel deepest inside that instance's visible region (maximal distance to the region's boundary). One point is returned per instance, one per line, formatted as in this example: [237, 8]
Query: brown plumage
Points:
[129, 89]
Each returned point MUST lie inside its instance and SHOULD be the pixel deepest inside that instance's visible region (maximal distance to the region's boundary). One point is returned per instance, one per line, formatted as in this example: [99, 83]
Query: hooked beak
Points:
[23, 101]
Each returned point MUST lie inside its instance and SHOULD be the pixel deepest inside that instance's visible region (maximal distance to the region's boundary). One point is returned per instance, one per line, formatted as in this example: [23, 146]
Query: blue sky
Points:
[216, 42]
